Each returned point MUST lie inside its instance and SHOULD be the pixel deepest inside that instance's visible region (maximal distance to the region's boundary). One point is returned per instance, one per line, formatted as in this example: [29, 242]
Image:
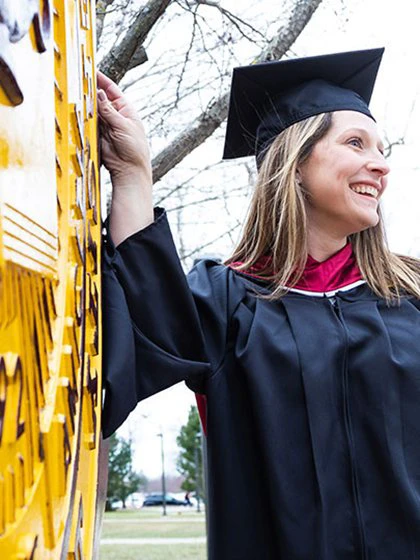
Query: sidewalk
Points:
[157, 520]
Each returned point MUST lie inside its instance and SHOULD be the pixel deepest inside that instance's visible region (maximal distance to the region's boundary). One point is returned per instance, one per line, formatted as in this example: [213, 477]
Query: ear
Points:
[298, 176]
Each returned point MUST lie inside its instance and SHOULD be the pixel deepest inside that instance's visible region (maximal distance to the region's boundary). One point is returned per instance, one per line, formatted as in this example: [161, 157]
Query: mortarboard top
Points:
[267, 98]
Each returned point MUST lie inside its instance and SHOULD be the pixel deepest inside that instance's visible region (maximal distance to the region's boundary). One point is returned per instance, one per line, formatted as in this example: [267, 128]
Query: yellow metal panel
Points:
[50, 343]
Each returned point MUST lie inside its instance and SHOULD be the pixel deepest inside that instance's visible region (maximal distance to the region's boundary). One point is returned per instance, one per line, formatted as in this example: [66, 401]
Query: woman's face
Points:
[345, 176]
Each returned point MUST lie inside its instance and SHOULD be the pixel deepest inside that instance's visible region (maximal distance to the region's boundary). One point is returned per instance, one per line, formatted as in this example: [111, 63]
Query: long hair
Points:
[277, 223]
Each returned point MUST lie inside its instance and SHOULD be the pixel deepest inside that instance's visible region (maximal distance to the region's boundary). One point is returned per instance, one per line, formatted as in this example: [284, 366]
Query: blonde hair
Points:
[276, 224]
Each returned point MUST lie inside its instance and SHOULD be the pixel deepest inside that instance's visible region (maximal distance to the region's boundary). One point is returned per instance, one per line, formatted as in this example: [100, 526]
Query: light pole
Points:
[163, 474]
[197, 472]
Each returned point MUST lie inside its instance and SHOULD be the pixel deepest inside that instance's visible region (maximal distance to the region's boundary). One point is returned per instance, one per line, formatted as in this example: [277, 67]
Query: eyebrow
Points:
[365, 133]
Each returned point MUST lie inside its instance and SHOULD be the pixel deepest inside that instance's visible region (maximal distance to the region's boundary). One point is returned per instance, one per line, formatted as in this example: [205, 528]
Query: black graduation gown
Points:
[313, 403]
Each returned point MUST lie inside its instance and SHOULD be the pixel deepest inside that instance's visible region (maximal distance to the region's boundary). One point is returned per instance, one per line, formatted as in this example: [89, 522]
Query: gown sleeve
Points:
[158, 327]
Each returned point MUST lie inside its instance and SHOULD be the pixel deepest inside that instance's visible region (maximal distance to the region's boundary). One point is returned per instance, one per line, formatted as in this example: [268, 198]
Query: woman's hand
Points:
[124, 146]
[125, 153]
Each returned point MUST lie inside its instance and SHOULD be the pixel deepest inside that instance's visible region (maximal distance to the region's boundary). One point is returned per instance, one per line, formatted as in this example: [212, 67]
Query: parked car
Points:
[156, 499]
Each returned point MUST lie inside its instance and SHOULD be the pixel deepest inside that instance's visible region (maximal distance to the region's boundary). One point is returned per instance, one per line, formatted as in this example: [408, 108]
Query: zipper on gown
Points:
[335, 303]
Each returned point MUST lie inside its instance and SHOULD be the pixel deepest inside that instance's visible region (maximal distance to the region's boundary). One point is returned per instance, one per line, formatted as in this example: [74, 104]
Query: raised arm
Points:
[158, 328]
[125, 153]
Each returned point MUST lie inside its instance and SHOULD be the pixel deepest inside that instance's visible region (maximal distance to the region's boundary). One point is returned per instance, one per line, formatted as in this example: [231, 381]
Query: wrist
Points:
[130, 212]
[132, 178]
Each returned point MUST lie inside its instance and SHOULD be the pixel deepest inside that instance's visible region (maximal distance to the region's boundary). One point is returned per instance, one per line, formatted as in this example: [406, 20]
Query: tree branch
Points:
[191, 137]
[101, 9]
[235, 20]
[389, 144]
[208, 243]
[130, 52]
[204, 126]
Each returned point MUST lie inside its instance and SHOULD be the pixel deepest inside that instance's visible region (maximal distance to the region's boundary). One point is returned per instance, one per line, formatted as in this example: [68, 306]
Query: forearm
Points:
[131, 207]
[125, 153]
[152, 334]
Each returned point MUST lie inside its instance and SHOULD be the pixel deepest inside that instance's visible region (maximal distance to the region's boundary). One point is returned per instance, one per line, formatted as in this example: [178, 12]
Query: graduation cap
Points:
[267, 98]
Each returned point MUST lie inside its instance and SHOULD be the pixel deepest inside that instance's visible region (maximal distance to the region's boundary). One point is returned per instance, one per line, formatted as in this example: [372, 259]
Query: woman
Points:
[305, 345]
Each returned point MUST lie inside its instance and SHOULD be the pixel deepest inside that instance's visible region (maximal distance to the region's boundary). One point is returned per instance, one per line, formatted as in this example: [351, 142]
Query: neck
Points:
[322, 245]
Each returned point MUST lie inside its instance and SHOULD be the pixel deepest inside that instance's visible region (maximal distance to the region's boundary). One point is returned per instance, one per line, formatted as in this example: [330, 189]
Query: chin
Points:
[365, 223]
[369, 225]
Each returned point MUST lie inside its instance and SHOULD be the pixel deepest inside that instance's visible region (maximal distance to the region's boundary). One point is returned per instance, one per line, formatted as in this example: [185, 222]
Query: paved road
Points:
[190, 540]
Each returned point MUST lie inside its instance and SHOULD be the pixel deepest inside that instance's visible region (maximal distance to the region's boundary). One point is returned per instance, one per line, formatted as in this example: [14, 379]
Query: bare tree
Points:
[130, 52]
[182, 94]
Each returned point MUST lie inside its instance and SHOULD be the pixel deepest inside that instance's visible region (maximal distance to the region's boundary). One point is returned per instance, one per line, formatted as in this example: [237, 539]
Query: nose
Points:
[378, 165]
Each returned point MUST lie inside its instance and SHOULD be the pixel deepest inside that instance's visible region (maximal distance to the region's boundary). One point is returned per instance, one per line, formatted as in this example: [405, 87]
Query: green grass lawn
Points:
[154, 512]
[155, 552]
[143, 529]
[150, 523]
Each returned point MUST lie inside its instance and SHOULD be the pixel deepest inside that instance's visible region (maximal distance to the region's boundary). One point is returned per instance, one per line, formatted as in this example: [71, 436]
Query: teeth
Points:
[365, 189]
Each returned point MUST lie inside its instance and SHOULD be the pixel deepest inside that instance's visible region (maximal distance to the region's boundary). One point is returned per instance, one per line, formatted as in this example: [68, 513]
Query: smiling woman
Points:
[303, 347]
[343, 178]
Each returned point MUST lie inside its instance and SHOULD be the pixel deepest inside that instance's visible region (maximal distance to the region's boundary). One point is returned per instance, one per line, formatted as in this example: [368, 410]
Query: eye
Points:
[356, 141]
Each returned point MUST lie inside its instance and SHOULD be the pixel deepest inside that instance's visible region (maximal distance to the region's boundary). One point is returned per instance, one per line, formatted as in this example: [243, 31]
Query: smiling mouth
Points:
[366, 190]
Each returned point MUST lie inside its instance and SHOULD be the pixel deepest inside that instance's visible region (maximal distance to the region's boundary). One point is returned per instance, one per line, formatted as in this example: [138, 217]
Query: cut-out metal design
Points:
[16, 18]
[50, 313]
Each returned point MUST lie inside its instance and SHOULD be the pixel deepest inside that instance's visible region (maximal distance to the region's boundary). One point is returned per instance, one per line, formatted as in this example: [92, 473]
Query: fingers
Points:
[115, 96]
[112, 90]
[120, 103]
[107, 112]
[102, 80]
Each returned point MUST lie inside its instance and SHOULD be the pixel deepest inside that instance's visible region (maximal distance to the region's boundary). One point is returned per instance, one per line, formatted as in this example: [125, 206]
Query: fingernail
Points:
[101, 95]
